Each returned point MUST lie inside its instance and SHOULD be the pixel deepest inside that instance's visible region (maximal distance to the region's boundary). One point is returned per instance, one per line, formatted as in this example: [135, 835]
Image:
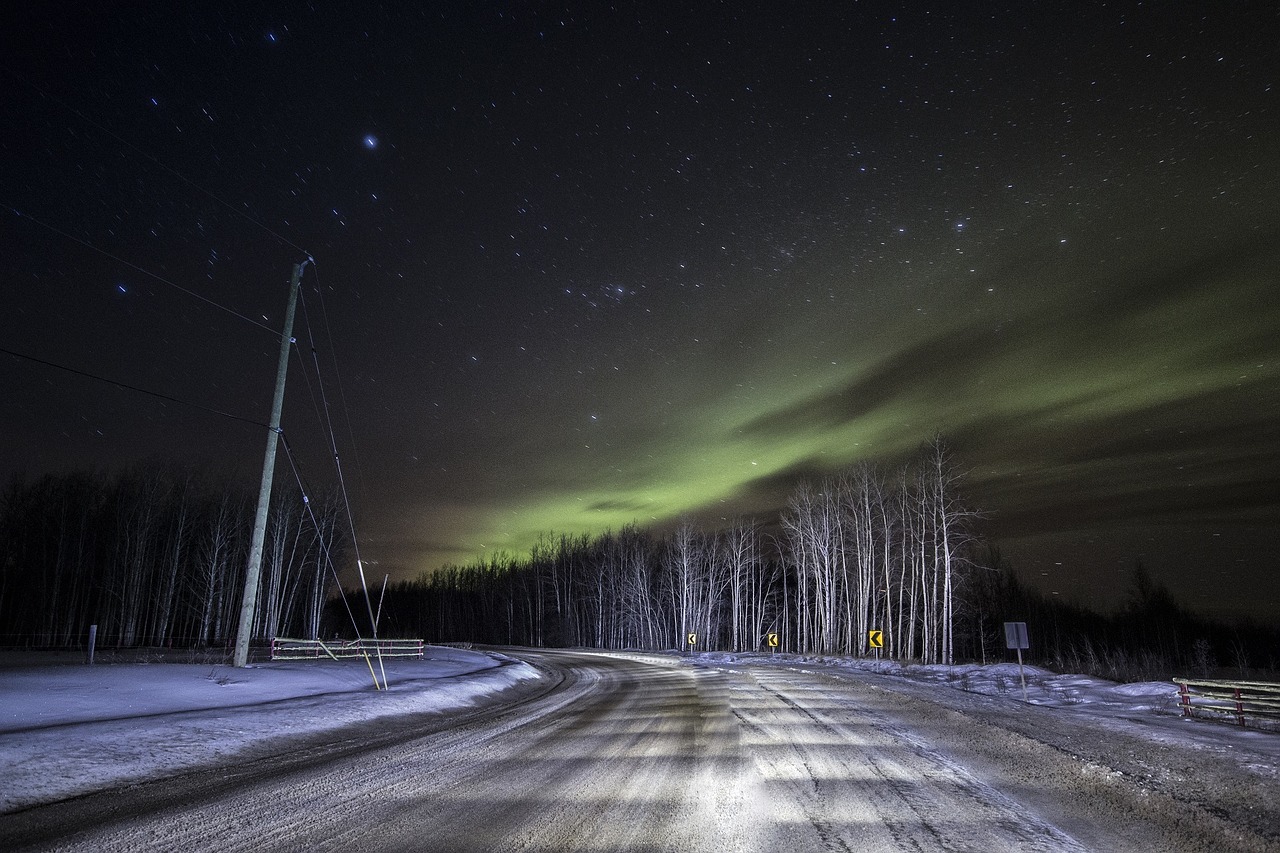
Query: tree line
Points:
[156, 556]
[1149, 637]
[857, 552]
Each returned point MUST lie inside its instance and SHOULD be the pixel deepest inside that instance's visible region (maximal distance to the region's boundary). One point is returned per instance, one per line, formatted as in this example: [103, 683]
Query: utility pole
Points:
[250, 602]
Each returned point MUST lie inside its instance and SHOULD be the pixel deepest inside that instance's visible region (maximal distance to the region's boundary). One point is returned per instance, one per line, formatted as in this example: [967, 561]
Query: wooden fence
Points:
[1238, 699]
[283, 648]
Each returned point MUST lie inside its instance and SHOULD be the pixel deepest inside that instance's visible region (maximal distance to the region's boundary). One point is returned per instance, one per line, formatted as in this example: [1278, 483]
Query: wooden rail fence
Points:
[1239, 699]
[284, 648]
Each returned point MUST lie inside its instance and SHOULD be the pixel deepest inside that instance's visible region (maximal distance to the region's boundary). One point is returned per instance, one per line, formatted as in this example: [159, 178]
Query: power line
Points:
[333, 439]
[126, 386]
[134, 266]
[153, 159]
[342, 393]
[324, 544]
[337, 464]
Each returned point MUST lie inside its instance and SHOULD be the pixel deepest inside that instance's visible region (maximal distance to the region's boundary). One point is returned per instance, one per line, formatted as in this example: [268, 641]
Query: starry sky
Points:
[578, 265]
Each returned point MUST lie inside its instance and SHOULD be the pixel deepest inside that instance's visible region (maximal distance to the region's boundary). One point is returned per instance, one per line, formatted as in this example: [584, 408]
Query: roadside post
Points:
[772, 640]
[1015, 637]
[693, 641]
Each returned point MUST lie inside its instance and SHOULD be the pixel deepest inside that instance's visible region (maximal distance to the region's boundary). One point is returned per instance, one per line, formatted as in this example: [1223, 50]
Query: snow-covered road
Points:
[612, 752]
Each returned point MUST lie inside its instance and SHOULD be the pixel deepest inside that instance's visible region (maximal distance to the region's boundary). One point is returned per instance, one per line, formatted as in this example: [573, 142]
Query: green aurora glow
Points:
[1150, 390]
[621, 263]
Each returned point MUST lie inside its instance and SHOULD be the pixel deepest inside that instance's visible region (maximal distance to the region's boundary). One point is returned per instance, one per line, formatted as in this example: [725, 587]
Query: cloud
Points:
[896, 378]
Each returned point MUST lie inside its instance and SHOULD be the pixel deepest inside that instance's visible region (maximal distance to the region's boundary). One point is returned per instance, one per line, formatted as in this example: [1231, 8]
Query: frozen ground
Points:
[71, 729]
[1149, 709]
[723, 752]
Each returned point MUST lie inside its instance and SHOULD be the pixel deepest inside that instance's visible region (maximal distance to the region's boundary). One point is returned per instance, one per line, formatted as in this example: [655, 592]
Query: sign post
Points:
[772, 640]
[693, 640]
[1015, 637]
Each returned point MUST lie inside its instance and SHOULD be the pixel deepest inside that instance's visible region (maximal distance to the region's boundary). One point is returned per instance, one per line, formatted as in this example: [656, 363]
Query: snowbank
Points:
[68, 730]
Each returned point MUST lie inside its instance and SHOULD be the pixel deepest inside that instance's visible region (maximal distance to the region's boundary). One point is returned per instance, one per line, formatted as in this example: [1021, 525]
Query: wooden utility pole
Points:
[250, 602]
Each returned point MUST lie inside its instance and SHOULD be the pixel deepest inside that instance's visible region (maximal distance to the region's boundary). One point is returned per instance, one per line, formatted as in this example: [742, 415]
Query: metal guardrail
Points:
[284, 648]
[1239, 699]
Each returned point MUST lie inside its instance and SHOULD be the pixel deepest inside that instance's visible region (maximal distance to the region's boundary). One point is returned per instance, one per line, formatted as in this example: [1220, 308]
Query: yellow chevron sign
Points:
[875, 639]
[773, 641]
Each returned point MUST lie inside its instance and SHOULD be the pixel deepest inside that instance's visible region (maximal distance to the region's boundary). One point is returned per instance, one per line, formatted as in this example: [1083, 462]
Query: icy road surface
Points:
[610, 752]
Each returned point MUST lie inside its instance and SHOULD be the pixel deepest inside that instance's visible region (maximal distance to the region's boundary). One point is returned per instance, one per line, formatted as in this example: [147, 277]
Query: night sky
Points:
[582, 265]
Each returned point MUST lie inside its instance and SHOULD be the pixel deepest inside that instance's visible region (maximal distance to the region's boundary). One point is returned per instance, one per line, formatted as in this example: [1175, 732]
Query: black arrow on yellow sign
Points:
[875, 639]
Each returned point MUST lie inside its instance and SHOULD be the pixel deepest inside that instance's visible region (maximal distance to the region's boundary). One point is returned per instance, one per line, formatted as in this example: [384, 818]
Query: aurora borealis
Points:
[583, 266]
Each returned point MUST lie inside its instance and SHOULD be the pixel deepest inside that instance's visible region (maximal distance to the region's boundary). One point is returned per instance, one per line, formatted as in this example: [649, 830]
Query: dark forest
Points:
[155, 557]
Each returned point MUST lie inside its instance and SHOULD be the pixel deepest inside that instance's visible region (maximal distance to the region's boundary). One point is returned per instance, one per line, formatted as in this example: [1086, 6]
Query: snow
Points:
[71, 729]
[1153, 703]
[1148, 710]
[68, 729]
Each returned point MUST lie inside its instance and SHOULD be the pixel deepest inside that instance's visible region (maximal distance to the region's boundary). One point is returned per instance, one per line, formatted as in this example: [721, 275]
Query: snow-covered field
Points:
[1150, 707]
[71, 729]
[67, 730]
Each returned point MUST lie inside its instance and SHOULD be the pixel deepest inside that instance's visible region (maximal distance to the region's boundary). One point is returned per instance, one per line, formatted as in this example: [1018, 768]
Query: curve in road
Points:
[644, 753]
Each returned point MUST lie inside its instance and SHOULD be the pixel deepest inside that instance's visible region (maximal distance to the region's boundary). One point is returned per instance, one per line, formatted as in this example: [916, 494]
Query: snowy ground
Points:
[1149, 708]
[70, 729]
